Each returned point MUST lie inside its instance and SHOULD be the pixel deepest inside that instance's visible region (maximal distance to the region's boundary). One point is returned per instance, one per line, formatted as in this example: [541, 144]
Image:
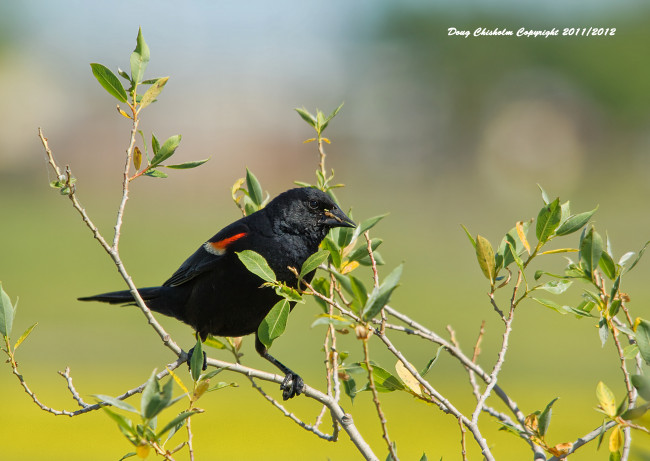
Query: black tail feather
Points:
[124, 297]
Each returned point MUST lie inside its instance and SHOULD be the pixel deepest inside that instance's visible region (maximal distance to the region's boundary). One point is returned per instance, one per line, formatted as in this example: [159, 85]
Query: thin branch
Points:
[125, 182]
[586, 439]
[375, 399]
[463, 448]
[71, 388]
[345, 420]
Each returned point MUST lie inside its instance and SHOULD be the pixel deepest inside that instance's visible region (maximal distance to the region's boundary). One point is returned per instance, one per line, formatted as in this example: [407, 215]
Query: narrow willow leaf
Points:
[361, 253]
[485, 257]
[152, 93]
[522, 230]
[544, 195]
[7, 312]
[334, 250]
[431, 363]
[330, 117]
[591, 250]
[545, 417]
[196, 361]
[548, 220]
[137, 158]
[408, 378]
[469, 236]
[125, 424]
[615, 440]
[642, 384]
[24, 336]
[381, 295]
[176, 421]
[643, 338]
[122, 405]
[634, 263]
[575, 223]
[606, 399]
[556, 286]
[274, 323]
[313, 262]
[139, 58]
[350, 387]
[254, 188]
[156, 174]
[553, 305]
[367, 224]
[256, 264]
[166, 150]
[155, 144]
[608, 266]
[384, 380]
[154, 399]
[288, 293]
[109, 81]
[187, 165]
[306, 116]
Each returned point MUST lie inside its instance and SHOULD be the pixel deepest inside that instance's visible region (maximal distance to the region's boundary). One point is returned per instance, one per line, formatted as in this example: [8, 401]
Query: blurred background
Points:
[438, 130]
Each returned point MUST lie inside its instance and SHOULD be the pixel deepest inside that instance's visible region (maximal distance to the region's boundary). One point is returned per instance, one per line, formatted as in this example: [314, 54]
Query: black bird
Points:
[213, 292]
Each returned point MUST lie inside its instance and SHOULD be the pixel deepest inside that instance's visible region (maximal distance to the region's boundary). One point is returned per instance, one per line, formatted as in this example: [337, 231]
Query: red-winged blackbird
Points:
[214, 292]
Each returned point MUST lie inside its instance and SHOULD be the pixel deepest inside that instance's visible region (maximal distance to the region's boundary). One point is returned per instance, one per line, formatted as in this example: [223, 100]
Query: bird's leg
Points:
[189, 359]
[293, 384]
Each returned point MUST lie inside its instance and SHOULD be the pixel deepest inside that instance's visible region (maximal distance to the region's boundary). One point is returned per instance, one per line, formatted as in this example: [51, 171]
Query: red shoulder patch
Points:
[219, 247]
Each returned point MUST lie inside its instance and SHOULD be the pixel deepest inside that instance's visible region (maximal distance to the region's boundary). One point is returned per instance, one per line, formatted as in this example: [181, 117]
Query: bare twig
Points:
[345, 420]
[125, 183]
[375, 399]
[463, 448]
[71, 388]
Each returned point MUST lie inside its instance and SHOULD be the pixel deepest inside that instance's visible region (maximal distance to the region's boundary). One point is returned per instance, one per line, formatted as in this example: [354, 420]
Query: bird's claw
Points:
[291, 386]
[189, 360]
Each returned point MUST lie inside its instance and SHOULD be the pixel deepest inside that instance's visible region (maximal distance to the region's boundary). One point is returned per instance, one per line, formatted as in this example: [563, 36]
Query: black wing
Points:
[209, 254]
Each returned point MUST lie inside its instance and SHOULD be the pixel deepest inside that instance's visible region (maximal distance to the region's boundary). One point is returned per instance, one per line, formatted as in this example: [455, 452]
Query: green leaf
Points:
[545, 417]
[575, 223]
[336, 320]
[125, 425]
[24, 336]
[548, 220]
[322, 286]
[121, 404]
[544, 195]
[139, 58]
[350, 387]
[362, 252]
[431, 362]
[306, 116]
[335, 252]
[166, 150]
[155, 144]
[196, 362]
[211, 341]
[642, 384]
[381, 295]
[176, 421]
[485, 257]
[109, 81]
[152, 93]
[124, 75]
[156, 174]
[330, 117]
[313, 262]
[634, 263]
[256, 264]
[608, 266]
[289, 293]
[606, 399]
[469, 236]
[7, 312]
[187, 165]
[556, 286]
[154, 399]
[643, 339]
[553, 305]
[591, 250]
[367, 224]
[358, 290]
[254, 188]
[635, 413]
[274, 323]
[384, 380]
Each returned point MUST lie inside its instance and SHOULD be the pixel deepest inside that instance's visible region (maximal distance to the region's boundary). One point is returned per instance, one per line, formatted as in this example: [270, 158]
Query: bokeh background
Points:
[436, 130]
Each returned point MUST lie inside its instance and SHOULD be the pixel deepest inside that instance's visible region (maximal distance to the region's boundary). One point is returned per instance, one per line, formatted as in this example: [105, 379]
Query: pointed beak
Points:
[336, 218]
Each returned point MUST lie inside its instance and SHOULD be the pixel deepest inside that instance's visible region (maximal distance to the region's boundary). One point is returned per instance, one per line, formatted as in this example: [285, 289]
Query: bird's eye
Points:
[313, 204]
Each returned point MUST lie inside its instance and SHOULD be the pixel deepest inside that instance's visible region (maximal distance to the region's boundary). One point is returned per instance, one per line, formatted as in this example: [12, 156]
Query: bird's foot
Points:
[189, 359]
[292, 385]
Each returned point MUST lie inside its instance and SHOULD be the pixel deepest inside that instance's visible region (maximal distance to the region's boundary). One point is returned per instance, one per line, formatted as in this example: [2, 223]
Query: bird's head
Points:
[309, 210]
